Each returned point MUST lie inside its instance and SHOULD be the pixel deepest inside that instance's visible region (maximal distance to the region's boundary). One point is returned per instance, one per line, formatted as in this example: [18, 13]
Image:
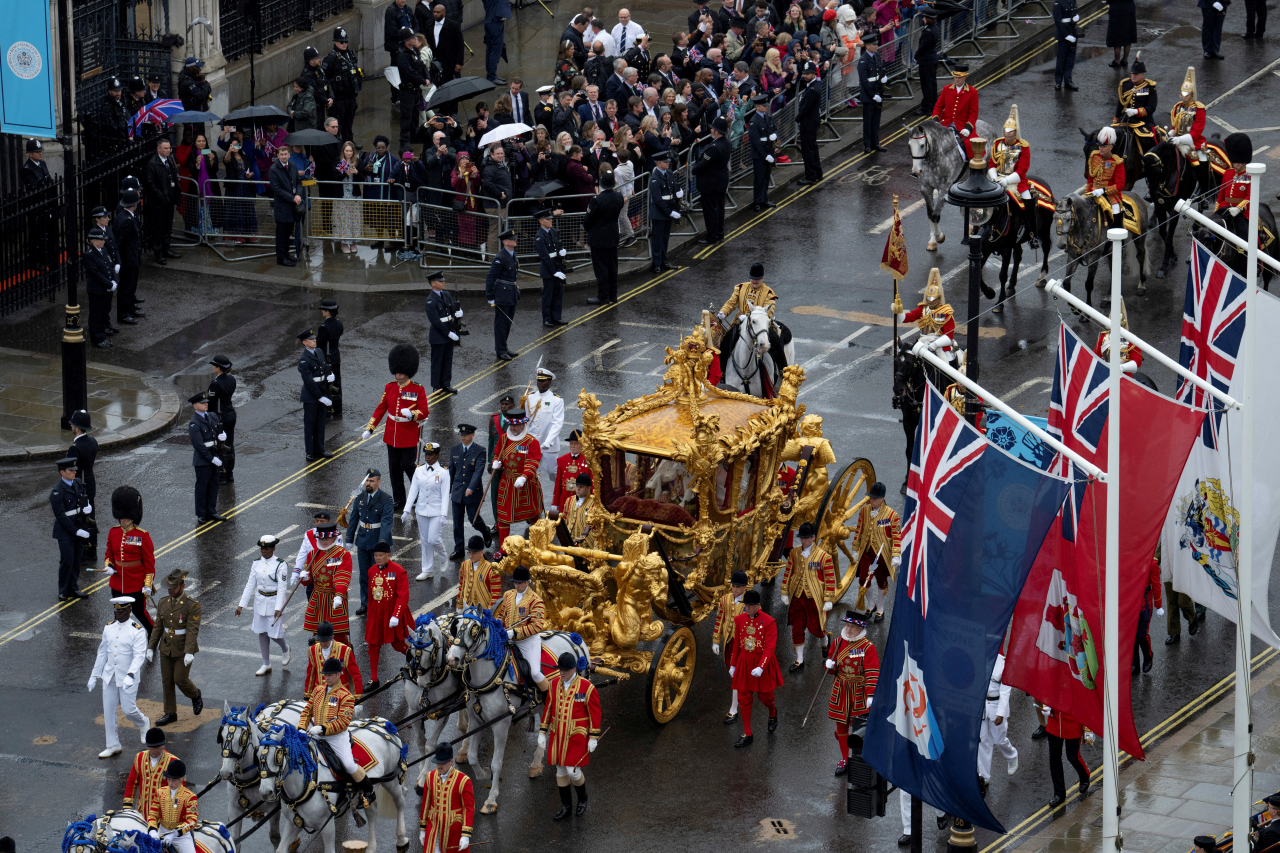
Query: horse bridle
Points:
[739, 368]
[310, 777]
[236, 723]
[1070, 209]
[920, 134]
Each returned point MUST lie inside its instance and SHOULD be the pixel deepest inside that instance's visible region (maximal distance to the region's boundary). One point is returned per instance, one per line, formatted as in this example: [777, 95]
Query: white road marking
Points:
[880, 350]
[1030, 383]
[888, 223]
[837, 346]
[1222, 124]
[203, 648]
[436, 602]
[279, 536]
[1241, 84]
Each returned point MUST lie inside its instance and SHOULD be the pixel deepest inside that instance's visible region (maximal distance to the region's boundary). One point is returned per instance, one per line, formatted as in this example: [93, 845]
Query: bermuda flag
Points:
[156, 112]
[1200, 539]
[975, 518]
[1055, 647]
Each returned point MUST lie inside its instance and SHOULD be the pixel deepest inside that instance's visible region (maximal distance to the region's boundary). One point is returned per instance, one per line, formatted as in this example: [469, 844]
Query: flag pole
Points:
[1111, 839]
[1242, 789]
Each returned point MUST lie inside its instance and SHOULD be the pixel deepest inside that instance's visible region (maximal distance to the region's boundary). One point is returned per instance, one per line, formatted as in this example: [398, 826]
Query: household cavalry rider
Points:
[1104, 178]
[957, 107]
[1008, 164]
[1130, 355]
[1186, 125]
[856, 665]
[1136, 106]
[936, 319]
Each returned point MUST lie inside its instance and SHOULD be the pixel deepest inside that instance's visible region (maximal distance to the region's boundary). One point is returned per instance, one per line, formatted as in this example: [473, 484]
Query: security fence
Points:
[247, 25]
[32, 237]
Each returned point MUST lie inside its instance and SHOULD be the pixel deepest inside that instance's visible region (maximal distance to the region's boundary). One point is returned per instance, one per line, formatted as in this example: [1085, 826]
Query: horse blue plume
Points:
[79, 831]
[296, 746]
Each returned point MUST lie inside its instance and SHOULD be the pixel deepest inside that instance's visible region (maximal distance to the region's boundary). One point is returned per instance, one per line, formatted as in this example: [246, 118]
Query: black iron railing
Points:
[253, 24]
[33, 261]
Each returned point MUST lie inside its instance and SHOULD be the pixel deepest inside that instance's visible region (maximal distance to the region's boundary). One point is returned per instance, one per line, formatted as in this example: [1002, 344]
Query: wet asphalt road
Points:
[678, 787]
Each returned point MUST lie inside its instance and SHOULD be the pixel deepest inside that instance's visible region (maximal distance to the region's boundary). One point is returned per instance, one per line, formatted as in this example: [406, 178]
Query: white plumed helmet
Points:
[1107, 136]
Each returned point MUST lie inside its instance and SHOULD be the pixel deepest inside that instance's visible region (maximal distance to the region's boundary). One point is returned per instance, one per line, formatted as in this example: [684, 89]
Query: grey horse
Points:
[936, 159]
[1078, 224]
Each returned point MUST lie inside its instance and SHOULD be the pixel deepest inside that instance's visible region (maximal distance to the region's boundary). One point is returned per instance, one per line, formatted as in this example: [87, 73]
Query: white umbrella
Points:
[504, 131]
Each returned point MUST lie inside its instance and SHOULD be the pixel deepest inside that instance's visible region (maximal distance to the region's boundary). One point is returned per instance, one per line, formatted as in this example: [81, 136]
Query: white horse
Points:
[239, 735]
[745, 366]
[936, 159]
[481, 647]
[292, 769]
[126, 831]
[430, 682]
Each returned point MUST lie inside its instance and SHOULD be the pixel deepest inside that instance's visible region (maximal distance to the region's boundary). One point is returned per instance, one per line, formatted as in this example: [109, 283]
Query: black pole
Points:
[971, 337]
[75, 383]
[917, 824]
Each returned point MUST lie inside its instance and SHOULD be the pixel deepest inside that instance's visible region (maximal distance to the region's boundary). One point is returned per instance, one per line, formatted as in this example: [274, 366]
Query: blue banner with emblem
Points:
[27, 102]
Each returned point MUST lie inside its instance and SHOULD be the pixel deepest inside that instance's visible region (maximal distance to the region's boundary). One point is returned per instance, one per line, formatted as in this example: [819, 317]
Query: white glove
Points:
[877, 99]
[453, 336]
[675, 214]
[965, 133]
[110, 571]
[826, 606]
[325, 401]
[732, 670]
[520, 481]
[222, 436]
[1218, 6]
[329, 378]
[558, 275]
[316, 731]
[358, 711]
[464, 843]
[187, 659]
[151, 655]
[114, 285]
[337, 601]
[147, 590]
[1076, 19]
[1011, 180]
[155, 833]
[88, 509]
[757, 672]
[768, 158]
[304, 577]
[591, 745]
[992, 175]
[773, 137]
[1115, 208]
[542, 740]
[1129, 367]
[458, 313]
[93, 682]
[117, 268]
[404, 516]
[1185, 139]
[679, 193]
[511, 633]
[884, 79]
[82, 533]
[1159, 611]
[129, 683]
[393, 622]
[564, 252]
[1089, 737]
[1098, 192]
[422, 837]
[786, 599]
[497, 463]
[1071, 39]
[895, 562]
[870, 699]
[1131, 112]
[830, 664]
[1234, 211]
[491, 303]
[715, 648]
[217, 463]
[720, 315]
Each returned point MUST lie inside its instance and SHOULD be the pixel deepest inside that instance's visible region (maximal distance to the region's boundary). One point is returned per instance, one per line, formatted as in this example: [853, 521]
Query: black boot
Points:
[566, 804]
[582, 798]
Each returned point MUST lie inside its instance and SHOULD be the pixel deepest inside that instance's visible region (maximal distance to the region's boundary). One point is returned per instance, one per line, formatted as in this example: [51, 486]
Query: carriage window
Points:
[747, 484]
[724, 476]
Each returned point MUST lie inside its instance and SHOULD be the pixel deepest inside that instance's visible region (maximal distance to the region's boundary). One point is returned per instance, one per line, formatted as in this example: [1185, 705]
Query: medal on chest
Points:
[377, 589]
[749, 642]
[133, 540]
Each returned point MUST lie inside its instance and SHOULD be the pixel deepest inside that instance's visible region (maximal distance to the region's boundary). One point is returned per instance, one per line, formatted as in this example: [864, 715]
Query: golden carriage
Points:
[687, 486]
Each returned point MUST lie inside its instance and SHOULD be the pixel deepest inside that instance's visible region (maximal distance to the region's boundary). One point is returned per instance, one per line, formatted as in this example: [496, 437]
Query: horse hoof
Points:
[998, 308]
[417, 789]
[1040, 282]
[462, 758]
[988, 292]
[535, 772]
[401, 848]
[293, 848]
[1142, 290]
[942, 238]
[489, 808]
[932, 246]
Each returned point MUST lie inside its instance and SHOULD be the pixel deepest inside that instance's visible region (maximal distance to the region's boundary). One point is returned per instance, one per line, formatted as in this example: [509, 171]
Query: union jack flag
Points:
[945, 446]
[1077, 416]
[156, 112]
[1212, 327]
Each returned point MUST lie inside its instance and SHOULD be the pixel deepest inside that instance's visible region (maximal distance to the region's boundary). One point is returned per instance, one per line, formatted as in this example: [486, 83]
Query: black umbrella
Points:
[457, 90]
[192, 117]
[311, 136]
[256, 115]
[545, 188]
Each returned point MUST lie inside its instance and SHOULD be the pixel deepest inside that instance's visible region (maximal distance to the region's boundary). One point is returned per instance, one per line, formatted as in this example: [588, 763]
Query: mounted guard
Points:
[1186, 125]
[1008, 164]
[957, 107]
[1104, 178]
[747, 338]
[935, 317]
[1130, 355]
[1136, 107]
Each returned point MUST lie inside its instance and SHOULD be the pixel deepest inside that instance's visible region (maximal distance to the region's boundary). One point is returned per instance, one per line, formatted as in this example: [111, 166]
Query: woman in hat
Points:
[266, 590]
[465, 181]
[222, 389]
[130, 558]
[856, 665]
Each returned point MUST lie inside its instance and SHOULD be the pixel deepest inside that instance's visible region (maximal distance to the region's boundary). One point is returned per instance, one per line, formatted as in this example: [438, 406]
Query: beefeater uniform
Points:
[877, 539]
[571, 719]
[857, 671]
[406, 408]
[512, 609]
[317, 655]
[957, 108]
[810, 581]
[174, 636]
[993, 736]
[332, 707]
[145, 778]
[478, 585]
[568, 467]
[330, 573]
[756, 643]
[388, 599]
[1107, 174]
[448, 810]
[175, 813]
[575, 518]
[722, 633]
[520, 458]
[131, 555]
[309, 544]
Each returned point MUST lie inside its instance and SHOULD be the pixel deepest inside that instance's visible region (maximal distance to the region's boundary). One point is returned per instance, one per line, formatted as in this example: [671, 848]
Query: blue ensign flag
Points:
[27, 105]
[975, 519]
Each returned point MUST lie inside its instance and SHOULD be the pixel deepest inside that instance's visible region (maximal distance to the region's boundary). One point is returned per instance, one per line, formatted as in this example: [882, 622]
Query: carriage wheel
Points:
[670, 675]
[845, 496]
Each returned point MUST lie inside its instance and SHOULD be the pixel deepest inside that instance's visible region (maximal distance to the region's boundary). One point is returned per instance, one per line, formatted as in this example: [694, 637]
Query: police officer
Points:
[808, 117]
[663, 208]
[342, 69]
[99, 284]
[222, 388]
[114, 125]
[762, 134]
[927, 58]
[127, 230]
[205, 432]
[84, 449]
[1065, 18]
[175, 636]
[467, 461]
[445, 317]
[368, 522]
[551, 268]
[71, 510]
[327, 342]
[871, 78]
[119, 661]
[42, 227]
[316, 376]
[712, 171]
[319, 84]
[502, 293]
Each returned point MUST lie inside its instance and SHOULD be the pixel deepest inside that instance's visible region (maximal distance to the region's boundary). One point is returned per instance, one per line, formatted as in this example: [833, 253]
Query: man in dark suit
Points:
[573, 34]
[444, 37]
[315, 399]
[286, 196]
[467, 462]
[712, 171]
[71, 509]
[160, 182]
[551, 267]
[616, 88]
[808, 118]
[593, 108]
[100, 283]
[601, 224]
[502, 293]
[664, 206]
[1212, 14]
[445, 317]
[927, 58]
[204, 432]
[762, 134]
[394, 19]
[128, 233]
[496, 13]
[84, 449]
[871, 84]
[519, 102]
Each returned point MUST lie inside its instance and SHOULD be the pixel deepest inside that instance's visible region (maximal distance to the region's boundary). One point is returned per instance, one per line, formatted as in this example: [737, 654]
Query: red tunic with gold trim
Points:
[519, 458]
[530, 613]
[389, 596]
[1128, 352]
[351, 676]
[169, 811]
[1106, 173]
[448, 810]
[133, 556]
[812, 577]
[144, 780]
[756, 640]
[933, 321]
[1020, 151]
[571, 718]
[478, 586]
[568, 467]
[1188, 119]
[329, 707]
[957, 106]
[857, 671]
[722, 633]
[406, 408]
[1234, 191]
[330, 576]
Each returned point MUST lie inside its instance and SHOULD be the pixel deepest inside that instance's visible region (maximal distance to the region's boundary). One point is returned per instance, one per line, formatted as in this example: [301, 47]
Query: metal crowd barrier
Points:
[238, 216]
[466, 238]
[334, 217]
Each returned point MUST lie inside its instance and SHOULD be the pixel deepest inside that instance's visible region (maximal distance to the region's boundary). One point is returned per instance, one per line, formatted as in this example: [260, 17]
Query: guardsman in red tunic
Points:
[570, 726]
[130, 557]
[326, 647]
[957, 106]
[935, 316]
[173, 813]
[1186, 122]
[1233, 195]
[328, 569]
[568, 467]
[146, 775]
[755, 664]
[877, 540]
[516, 458]
[448, 806]
[856, 665]
[1130, 355]
[722, 642]
[1008, 164]
[1104, 178]
[1064, 729]
[808, 588]
[479, 583]
[405, 405]
[389, 616]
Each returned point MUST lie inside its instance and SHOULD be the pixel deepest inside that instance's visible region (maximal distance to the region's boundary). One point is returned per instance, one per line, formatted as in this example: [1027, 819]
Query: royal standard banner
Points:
[975, 518]
[1200, 538]
[27, 101]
